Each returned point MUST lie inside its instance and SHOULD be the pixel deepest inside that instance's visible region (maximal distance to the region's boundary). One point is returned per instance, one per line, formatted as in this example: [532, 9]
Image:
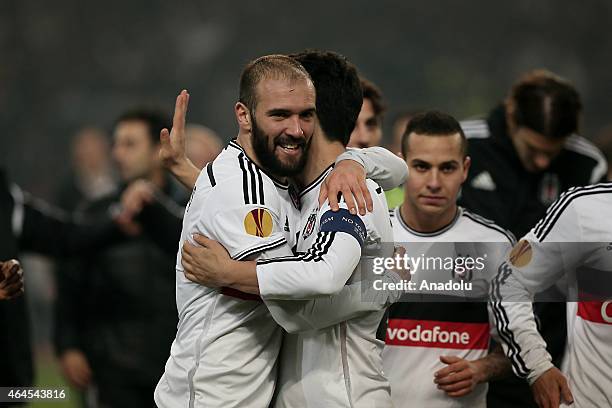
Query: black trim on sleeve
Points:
[211, 176]
[265, 247]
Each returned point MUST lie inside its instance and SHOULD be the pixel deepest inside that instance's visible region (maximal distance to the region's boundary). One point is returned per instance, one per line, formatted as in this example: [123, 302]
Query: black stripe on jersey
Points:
[245, 179]
[265, 247]
[278, 183]
[260, 185]
[211, 176]
[502, 322]
[254, 195]
[440, 308]
[314, 254]
[490, 224]
[545, 225]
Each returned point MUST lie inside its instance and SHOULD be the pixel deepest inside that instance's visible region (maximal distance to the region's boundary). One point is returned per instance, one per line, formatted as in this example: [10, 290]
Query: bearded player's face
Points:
[283, 124]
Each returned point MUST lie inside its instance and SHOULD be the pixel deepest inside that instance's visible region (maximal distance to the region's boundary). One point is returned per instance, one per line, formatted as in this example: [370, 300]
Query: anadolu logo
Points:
[258, 222]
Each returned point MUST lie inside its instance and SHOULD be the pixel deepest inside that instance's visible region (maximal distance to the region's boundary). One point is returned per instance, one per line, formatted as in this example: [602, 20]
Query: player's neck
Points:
[426, 223]
[321, 154]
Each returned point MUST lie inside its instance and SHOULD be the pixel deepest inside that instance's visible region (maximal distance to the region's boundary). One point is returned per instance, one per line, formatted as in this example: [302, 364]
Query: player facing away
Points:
[331, 357]
[572, 243]
[437, 342]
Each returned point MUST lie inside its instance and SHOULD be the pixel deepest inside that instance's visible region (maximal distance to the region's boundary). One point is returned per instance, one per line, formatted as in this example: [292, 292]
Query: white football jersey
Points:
[431, 322]
[226, 345]
[338, 362]
[573, 242]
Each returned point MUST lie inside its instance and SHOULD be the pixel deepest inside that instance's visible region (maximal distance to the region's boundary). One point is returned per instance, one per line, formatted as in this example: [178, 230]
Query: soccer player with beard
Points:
[226, 339]
[331, 356]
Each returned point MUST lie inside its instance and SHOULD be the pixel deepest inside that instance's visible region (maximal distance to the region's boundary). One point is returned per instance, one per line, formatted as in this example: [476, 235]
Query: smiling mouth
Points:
[290, 146]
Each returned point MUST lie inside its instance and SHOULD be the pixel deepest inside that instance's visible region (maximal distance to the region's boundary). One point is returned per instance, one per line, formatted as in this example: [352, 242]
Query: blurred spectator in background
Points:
[603, 140]
[368, 129]
[524, 155]
[29, 224]
[116, 314]
[202, 144]
[395, 197]
[92, 173]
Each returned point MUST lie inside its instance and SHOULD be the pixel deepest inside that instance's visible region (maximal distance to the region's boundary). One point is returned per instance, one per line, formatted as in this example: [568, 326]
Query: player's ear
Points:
[467, 162]
[243, 116]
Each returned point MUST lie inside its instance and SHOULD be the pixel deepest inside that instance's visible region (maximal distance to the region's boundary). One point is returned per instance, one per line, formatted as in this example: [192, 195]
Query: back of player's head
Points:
[374, 94]
[154, 118]
[339, 94]
[267, 67]
[545, 103]
[433, 123]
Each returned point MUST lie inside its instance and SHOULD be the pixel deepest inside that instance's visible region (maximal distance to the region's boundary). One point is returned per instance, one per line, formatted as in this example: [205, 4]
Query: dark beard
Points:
[266, 157]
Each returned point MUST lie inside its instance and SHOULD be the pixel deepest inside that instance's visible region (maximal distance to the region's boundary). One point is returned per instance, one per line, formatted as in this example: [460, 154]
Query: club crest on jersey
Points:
[258, 222]
[521, 254]
[310, 224]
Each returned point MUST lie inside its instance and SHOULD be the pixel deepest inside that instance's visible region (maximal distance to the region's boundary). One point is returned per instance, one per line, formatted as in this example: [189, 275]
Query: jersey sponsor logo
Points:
[258, 222]
[597, 312]
[521, 254]
[310, 224]
[435, 334]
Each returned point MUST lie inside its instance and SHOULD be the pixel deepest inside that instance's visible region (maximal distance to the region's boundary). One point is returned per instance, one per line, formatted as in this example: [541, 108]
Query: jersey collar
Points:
[276, 181]
[398, 215]
[316, 181]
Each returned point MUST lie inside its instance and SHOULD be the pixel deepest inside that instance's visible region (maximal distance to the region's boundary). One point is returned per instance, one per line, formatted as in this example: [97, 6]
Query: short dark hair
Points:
[433, 123]
[339, 94]
[268, 66]
[546, 103]
[154, 118]
[374, 94]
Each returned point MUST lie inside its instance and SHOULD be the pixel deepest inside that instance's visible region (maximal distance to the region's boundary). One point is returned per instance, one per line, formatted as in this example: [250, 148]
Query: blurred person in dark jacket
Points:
[116, 315]
[524, 154]
[29, 224]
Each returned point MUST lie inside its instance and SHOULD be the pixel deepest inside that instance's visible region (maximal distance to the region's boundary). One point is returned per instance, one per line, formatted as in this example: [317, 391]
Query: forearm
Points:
[351, 302]
[185, 172]
[494, 366]
[516, 326]
[382, 166]
[242, 276]
[321, 271]
[51, 232]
